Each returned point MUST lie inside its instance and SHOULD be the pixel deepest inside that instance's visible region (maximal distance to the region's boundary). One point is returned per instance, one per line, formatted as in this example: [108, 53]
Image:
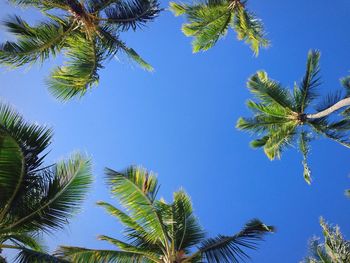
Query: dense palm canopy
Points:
[281, 118]
[210, 20]
[86, 32]
[158, 231]
[334, 249]
[34, 198]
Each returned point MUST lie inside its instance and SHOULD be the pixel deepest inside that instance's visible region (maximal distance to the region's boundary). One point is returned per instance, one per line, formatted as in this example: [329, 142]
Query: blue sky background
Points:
[179, 121]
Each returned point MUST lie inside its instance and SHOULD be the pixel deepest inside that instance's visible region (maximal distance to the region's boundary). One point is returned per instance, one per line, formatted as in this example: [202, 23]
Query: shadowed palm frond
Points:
[132, 13]
[232, 248]
[310, 82]
[34, 256]
[34, 197]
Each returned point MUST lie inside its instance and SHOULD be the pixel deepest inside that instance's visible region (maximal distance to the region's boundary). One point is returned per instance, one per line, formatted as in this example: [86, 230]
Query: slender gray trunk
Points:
[326, 112]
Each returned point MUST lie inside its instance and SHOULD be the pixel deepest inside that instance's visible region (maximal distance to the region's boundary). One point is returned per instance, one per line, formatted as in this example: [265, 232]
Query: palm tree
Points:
[281, 118]
[86, 32]
[157, 231]
[335, 248]
[34, 198]
[210, 20]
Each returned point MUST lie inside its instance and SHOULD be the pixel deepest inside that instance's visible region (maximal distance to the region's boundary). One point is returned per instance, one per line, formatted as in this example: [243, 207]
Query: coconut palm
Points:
[34, 198]
[282, 118]
[334, 249]
[86, 32]
[157, 231]
[210, 20]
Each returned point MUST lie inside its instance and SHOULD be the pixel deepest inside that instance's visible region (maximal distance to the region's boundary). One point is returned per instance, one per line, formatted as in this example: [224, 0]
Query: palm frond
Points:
[113, 44]
[232, 248]
[128, 14]
[21, 152]
[269, 91]
[143, 252]
[59, 198]
[261, 123]
[207, 23]
[304, 148]
[250, 29]
[310, 81]
[33, 256]
[121, 216]
[41, 4]
[34, 44]
[279, 139]
[80, 72]
[184, 228]
[136, 190]
[346, 84]
[83, 255]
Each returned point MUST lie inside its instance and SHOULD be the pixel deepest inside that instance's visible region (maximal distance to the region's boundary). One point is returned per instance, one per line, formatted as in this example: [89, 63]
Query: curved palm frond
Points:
[34, 197]
[83, 255]
[61, 195]
[34, 256]
[34, 43]
[80, 72]
[210, 20]
[131, 14]
[136, 190]
[231, 248]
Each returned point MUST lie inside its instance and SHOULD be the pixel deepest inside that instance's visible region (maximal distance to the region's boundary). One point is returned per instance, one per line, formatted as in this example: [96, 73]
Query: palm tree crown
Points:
[86, 31]
[335, 248]
[34, 198]
[161, 232]
[281, 117]
[210, 20]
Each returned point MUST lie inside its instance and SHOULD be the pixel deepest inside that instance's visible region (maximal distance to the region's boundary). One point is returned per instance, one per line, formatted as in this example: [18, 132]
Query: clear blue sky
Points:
[179, 122]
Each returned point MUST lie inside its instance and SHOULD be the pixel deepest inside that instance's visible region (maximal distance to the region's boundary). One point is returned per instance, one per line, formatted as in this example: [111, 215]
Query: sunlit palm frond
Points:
[136, 190]
[185, 228]
[81, 70]
[34, 44]
[335, 247]
[207, 23]
[278, 140]
[210, 20]
[83, 255]
[269, 92]
[250, 29]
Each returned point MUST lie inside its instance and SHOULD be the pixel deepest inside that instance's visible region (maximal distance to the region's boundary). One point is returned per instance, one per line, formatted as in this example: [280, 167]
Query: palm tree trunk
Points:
[340, 104]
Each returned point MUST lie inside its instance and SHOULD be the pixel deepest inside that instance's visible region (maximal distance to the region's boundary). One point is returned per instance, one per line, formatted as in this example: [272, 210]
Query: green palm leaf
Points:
[231, 248]
[80, 72]
[210, 20]
[34, 43]
[83, 255]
